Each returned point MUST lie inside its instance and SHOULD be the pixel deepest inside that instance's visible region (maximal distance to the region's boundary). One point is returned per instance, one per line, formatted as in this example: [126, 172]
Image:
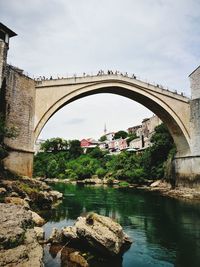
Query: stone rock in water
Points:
[55, 237]
[39, 231]
[100, 233]
[55, 194]
[156, 183]
[37, 219]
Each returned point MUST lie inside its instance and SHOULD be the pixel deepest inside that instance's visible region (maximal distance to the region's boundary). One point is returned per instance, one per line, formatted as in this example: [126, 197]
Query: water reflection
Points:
[166, 232]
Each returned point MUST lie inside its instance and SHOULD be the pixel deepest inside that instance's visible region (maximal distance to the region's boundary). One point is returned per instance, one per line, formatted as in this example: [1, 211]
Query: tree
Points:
[96, 153]
[103, 138]
[52, 169]
[54, 145]
[75, 149]
[154, 157]
[120, 134]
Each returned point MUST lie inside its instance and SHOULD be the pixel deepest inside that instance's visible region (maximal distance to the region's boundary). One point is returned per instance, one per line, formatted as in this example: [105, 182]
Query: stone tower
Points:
[17, 103]
[5, 35]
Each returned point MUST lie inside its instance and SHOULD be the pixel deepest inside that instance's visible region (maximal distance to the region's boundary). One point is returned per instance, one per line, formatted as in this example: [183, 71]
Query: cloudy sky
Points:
[158, 40]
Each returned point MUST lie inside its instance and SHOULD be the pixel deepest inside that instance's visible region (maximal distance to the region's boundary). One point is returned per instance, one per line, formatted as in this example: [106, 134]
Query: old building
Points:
[89, 143]
[145, 132]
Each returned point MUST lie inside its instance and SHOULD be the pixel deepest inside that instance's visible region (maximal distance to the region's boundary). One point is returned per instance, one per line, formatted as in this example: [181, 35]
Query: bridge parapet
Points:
[88, 79]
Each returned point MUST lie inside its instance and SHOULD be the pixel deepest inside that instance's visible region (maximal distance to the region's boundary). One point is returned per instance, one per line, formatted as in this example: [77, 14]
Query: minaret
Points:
[105, 130]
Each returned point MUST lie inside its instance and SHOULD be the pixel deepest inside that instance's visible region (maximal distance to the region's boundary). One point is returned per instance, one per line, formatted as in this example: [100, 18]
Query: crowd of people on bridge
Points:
[99, 73]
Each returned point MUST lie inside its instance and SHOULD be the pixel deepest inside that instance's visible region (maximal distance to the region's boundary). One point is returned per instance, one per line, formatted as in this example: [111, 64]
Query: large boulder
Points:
[29, 253]
[56, 195]
[14, 219]
[16, 201]
[18, 240]
[99, 233]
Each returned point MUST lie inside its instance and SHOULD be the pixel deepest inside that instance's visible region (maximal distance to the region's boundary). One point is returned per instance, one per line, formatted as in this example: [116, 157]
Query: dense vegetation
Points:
[65, 159]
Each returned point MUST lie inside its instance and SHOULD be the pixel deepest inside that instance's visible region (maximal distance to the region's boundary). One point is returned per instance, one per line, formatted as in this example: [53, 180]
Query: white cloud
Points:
[155, 39]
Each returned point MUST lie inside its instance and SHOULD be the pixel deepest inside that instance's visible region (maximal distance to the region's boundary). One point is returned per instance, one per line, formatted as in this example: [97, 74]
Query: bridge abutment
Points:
[20, 110]
[187, 169]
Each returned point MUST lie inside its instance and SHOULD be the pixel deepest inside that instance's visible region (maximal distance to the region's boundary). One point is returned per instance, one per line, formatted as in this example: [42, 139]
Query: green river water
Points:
[165, 231]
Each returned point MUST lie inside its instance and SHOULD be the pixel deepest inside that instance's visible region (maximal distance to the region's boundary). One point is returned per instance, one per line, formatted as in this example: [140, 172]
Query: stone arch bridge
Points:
[39, 100]
[171, 108]
[28, 105]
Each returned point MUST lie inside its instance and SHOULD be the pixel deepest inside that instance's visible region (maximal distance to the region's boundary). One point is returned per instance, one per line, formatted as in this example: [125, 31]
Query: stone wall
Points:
[195, 83]
[3, 57]
[20, 109]
[187, 171]
[195, 112]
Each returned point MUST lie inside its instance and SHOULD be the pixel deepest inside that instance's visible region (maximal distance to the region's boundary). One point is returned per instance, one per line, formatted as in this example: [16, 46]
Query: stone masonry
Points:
[20, 99]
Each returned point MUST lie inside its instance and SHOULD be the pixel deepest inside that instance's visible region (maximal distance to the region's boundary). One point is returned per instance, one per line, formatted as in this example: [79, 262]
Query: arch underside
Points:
[162, 110]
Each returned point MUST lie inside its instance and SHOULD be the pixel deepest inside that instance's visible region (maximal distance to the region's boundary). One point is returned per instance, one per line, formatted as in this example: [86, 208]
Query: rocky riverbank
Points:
[19, 237]
[159, 186]
[166, 189]
[20, 231]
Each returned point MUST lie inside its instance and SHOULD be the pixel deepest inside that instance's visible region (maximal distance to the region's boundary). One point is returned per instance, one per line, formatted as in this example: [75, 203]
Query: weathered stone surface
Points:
[37, 219]
[31, 191]
[100, 233]
[14, 194]
[55, 237]
[56, 195]
[72, 258]
[77, 258]
[28, 254]
[14, 219]
[16, 201]
[70, 233]
[39, 231]
[2, 191]
[156, 183]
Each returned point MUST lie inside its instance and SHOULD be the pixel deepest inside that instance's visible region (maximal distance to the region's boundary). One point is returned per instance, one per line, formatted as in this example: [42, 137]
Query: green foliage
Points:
[101, 172]
[54, 145]
[75, 149]
[154, 157]
[124, 184]
[96, 153]
[103, 138]
[126, 166]
[52, 169]
[120, 134]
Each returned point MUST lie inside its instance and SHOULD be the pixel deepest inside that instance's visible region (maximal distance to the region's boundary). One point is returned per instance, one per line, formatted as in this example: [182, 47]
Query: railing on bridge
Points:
[40, 79]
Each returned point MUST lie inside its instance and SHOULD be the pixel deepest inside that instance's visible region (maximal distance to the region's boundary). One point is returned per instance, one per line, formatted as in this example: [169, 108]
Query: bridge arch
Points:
[163, 106]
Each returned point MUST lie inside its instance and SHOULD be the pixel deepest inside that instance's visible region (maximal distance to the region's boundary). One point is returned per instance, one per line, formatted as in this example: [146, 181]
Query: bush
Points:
[124, 184]
[101, 172]
[70, 174]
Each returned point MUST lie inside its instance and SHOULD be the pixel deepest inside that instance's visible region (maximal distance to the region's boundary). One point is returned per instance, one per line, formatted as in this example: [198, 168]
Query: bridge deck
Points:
[110, 77]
